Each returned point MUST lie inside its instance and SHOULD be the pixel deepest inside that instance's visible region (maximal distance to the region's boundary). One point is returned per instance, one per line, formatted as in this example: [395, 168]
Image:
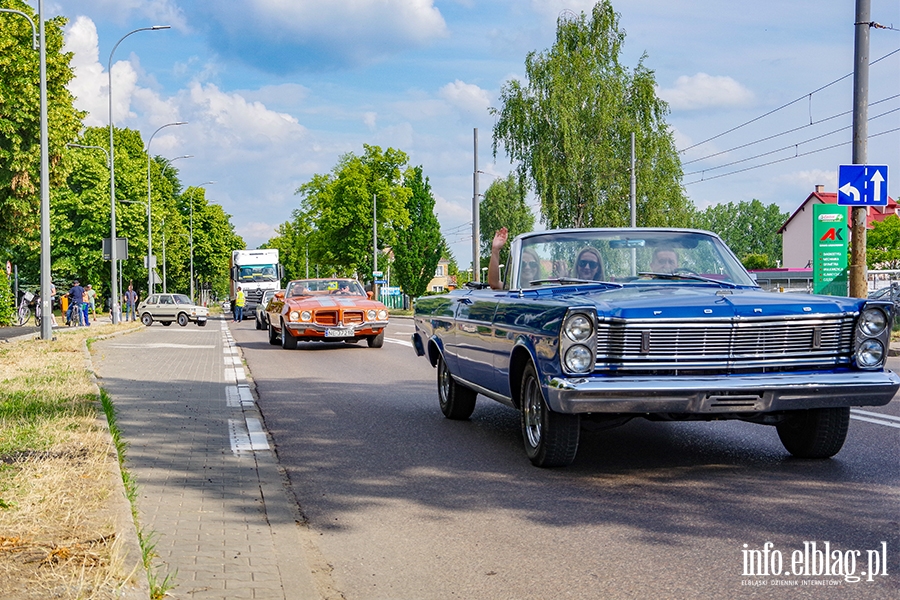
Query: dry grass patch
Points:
[57, 528]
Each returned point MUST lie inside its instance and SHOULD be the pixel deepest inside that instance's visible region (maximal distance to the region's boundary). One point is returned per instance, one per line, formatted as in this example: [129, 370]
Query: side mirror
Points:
[370, 294]
[279, 295]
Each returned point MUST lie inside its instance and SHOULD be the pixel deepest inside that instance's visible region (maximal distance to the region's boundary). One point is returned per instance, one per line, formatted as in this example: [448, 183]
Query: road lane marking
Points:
[401, 342]
[258, 439]
[856, 411]
[877, 421]
[162, 345]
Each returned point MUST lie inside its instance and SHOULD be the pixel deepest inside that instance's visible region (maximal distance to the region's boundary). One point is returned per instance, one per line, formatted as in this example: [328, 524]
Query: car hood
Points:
[705, 301]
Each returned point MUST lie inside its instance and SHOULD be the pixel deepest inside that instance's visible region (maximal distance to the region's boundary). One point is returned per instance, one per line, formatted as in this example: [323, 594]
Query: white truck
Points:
[255, 271]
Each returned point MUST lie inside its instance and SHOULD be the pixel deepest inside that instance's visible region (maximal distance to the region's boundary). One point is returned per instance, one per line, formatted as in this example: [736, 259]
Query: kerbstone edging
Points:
[137, 586]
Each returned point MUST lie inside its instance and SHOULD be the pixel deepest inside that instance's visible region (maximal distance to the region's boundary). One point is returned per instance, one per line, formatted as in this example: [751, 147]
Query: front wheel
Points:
[551, 438]
[259, 324]
[146, 319]
[273, 335]
[288, 342]
[815, 433]
[376, 341]
[24, 315]
[183, 319]
[457, 401]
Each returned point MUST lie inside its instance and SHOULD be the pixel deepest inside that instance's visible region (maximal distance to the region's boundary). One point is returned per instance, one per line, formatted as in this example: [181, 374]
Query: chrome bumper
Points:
[710, 395]
[302, 327]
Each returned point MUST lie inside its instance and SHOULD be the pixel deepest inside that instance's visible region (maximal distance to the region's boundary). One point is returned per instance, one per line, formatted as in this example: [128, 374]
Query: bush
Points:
[7, 302]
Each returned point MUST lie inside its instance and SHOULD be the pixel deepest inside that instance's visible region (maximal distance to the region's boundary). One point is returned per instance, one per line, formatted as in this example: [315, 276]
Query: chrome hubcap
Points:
[533, 409]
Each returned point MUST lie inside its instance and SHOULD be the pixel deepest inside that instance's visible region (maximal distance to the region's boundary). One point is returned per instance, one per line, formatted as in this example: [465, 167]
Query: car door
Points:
[167, 307]
[473, 342]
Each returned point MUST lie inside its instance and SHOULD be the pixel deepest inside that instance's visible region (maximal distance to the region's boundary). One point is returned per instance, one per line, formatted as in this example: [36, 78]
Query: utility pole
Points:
[476, 226]
[858, 275]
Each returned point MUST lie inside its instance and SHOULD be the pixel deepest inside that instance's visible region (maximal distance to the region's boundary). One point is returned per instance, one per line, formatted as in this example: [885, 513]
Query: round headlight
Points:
[872, 321]
[579, 359]
[579, 328]
[294, 316]
[370, 315]
[870, 353]
[305, 316]
[382, 315]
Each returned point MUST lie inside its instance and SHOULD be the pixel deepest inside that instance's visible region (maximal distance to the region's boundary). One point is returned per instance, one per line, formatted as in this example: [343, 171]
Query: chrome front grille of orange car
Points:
[336, 317]
[326, 317]
[725, 346]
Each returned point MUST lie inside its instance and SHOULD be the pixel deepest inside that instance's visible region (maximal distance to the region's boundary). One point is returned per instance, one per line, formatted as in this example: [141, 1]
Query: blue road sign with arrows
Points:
[862, 185]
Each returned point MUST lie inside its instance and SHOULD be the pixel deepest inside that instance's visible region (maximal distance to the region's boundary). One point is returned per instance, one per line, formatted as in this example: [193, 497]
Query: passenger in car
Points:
[589, 265]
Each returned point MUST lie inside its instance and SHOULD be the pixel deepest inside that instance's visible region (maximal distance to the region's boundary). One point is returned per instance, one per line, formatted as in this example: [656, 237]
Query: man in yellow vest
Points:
[239, 301]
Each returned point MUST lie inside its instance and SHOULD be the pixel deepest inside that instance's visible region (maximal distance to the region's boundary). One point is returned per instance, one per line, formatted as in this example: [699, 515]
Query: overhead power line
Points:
[783, 106]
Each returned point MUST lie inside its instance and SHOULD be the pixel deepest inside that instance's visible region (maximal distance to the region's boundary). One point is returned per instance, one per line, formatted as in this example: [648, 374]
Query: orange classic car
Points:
[325, 310]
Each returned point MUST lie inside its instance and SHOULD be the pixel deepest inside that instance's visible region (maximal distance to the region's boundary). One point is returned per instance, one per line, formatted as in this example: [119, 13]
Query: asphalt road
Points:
[408, 505]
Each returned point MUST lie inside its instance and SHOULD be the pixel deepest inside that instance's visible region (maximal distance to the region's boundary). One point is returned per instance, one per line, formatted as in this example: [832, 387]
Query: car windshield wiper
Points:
[573, 281]
[691, 276]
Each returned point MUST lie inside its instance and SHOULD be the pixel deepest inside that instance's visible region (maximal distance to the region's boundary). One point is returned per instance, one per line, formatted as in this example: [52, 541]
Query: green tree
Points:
[20, 145]
[214, 239]
[419, 244]
[749, 228]
[503, 206]
[883, 244]
[569, 128]
[338, 207]
[292, 241]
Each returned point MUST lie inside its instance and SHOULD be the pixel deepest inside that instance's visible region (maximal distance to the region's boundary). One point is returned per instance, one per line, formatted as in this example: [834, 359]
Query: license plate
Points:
[338, 333]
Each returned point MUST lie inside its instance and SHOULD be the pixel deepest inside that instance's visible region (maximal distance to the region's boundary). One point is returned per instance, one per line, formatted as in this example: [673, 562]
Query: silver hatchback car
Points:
[171, 308]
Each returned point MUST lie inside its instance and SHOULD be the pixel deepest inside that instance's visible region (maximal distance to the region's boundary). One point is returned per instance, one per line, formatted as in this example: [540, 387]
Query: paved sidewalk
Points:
[208, 484]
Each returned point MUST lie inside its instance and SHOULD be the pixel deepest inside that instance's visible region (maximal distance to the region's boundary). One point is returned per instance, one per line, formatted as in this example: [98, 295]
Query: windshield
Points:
[325, 287]
[258, 273]
[182, 299]
[623, 256]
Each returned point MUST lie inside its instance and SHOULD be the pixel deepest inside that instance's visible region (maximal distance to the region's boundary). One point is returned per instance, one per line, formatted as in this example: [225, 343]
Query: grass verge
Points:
[158, 586]
[58, 537]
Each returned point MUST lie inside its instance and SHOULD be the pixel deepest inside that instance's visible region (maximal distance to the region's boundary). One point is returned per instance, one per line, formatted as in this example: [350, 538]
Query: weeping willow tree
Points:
[569, 126]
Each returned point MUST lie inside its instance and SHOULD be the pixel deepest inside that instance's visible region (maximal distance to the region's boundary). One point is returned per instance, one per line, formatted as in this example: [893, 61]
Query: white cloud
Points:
[809, 179]
[553, 8]
[466, 97]
[160, 12]
[282, 36]
[706, 91]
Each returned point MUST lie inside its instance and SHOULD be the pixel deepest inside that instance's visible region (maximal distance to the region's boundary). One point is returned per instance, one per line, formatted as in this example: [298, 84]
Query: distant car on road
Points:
[325, 310]
[262, 321]
[171, 308]
[607, 325]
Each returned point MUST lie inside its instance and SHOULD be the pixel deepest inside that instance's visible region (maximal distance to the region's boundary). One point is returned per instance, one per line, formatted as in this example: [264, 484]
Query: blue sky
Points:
[276, 90]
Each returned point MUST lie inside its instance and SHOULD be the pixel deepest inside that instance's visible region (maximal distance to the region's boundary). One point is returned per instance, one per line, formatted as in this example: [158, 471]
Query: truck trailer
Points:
[255, 271]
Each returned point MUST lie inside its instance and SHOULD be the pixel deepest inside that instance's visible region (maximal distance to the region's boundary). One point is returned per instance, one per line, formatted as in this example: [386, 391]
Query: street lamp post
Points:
[114, 276]
[149, 212]
[192, 233]
[46, 300]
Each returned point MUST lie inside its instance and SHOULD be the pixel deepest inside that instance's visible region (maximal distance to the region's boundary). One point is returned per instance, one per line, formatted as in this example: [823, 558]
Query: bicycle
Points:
[25, 311]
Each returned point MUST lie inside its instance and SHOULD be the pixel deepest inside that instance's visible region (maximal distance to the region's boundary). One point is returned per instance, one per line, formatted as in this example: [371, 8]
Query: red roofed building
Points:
[796, 233]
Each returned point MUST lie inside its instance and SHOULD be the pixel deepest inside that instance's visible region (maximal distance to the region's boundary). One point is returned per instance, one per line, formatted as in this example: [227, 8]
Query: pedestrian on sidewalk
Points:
[130, 302]
[90, 296]
[239, 301]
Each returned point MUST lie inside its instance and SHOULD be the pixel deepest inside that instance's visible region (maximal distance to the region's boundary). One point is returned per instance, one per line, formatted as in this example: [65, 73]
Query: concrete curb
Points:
[137, 586]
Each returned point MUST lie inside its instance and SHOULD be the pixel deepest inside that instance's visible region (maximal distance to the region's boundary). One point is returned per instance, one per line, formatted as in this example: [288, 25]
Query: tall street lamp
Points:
[149, 213]
[193, 189]
[168, 164]
[46, 300]
[114, 298]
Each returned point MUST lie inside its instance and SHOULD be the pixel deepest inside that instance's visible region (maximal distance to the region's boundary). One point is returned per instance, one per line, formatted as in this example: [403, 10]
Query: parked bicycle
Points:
[28, 306]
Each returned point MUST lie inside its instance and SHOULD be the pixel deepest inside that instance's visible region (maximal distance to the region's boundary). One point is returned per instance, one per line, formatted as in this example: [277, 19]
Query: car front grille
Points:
[725, 346]
[335, 317]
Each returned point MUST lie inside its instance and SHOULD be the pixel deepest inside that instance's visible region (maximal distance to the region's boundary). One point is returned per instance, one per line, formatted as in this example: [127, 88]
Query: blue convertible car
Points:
[611, 324]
